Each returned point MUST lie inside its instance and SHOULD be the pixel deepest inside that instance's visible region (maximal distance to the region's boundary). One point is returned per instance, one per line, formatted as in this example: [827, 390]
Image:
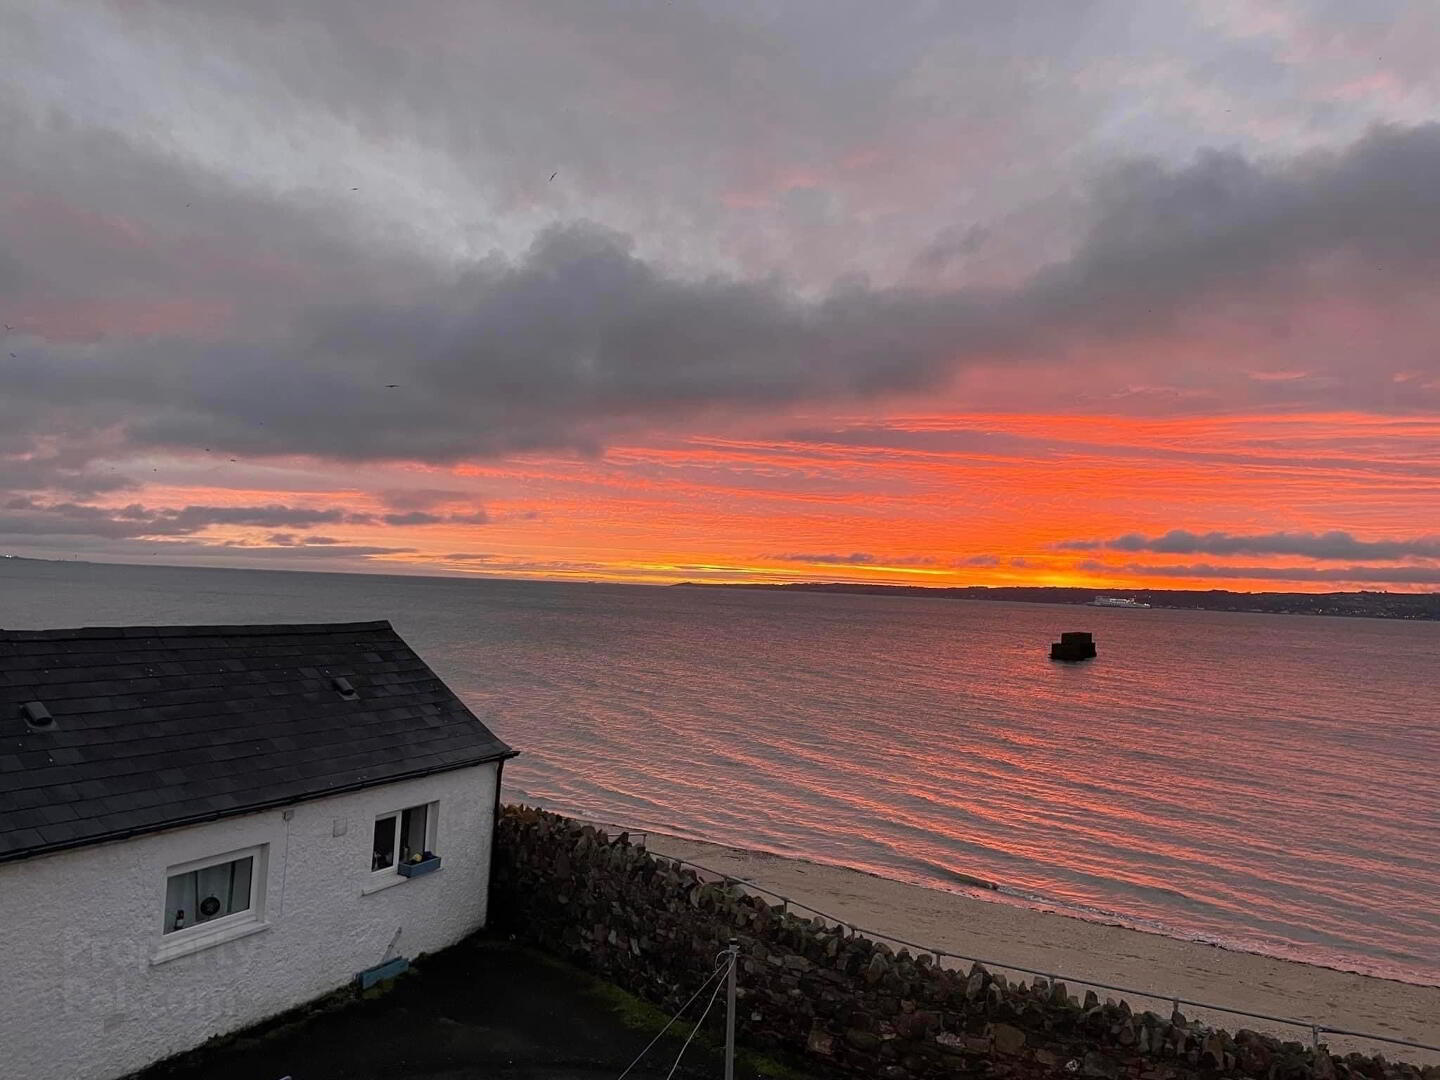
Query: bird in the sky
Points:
[8, 326]
[553, 175]
[354, 189]
[392, 386]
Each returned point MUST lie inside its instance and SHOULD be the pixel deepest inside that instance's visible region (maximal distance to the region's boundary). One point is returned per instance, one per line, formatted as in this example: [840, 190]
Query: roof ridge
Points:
[205, 630]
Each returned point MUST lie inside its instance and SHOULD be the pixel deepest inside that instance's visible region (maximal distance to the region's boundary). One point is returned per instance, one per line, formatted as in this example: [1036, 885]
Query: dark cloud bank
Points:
[579, 337]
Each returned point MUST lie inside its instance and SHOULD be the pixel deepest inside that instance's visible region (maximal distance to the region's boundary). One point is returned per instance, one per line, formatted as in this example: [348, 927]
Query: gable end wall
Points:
[83, 1000]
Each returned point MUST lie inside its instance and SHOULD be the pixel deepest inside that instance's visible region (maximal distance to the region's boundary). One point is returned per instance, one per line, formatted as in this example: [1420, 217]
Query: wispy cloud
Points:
[1329, 545]
[30, 516]
[854, 558]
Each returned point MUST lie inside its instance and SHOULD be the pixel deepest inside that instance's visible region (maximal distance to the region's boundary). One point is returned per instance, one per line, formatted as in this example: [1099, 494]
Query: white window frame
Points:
[226, 928]
[432, 822]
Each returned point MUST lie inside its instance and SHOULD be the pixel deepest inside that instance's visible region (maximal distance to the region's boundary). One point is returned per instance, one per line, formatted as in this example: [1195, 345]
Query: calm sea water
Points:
[1270, 783]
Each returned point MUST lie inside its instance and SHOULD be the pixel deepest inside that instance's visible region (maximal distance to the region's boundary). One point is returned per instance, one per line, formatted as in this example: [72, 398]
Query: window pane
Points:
[384, 847]
[212, 893]
[179, 902]
[240, 884]
[412, 832]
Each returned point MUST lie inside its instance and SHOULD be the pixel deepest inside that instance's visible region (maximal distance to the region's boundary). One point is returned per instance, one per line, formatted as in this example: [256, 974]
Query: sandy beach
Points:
[1116, 955]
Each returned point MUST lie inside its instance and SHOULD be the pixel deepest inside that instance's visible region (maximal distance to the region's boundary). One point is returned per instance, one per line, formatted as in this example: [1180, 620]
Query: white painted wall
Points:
[81, 997]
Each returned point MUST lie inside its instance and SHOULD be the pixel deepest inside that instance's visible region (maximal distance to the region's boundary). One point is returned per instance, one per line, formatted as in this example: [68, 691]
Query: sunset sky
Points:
[1112, 293]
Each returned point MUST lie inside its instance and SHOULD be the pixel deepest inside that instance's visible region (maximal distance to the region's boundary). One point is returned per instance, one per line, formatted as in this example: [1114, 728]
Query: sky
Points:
[1106, 293]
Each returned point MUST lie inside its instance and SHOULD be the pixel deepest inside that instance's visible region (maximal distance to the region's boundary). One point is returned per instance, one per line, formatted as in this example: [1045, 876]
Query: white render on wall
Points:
[87, 991]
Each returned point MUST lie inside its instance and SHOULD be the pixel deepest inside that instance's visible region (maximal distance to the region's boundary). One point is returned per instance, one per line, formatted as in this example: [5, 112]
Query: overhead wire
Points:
[713, 995]
[720, 970]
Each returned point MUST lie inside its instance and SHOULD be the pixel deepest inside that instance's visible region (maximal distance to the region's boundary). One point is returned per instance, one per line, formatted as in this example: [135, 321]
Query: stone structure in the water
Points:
[1072, 647]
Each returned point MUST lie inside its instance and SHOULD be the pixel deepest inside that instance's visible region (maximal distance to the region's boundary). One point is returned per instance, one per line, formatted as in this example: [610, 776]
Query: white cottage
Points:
[202, 826]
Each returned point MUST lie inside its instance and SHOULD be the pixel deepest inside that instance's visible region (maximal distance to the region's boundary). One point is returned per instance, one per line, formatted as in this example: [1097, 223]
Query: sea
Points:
[1267, 783]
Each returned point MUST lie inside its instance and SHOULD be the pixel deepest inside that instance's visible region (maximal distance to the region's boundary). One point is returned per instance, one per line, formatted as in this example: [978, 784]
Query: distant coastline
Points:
[1363, 604]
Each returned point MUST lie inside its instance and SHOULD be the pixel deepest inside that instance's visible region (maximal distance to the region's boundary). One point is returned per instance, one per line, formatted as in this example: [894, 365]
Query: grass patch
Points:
[639, 1015]
[632, 1011]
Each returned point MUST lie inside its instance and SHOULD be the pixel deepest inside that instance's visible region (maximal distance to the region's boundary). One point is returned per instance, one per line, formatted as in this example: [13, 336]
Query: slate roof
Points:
[156, 727]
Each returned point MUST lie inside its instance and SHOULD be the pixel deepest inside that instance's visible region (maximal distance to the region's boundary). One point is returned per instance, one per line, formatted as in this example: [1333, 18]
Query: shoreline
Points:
[1053, 940]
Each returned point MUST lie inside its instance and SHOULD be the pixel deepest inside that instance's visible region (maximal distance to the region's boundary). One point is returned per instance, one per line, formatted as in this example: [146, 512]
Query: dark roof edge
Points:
[241, 630]
[216, 815]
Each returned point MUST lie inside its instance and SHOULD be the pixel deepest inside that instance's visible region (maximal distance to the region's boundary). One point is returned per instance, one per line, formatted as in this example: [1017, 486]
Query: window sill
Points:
[394, 878]
[173, 950]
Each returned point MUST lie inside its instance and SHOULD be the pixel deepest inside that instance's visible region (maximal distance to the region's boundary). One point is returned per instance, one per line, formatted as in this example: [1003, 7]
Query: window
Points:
[402, 835]
[210, 890]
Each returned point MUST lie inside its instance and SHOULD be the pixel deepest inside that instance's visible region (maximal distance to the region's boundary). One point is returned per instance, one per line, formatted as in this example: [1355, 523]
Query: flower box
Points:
[424, 866]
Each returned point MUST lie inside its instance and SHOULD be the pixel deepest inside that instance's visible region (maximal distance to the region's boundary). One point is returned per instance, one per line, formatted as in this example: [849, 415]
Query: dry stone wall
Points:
[843, 1002]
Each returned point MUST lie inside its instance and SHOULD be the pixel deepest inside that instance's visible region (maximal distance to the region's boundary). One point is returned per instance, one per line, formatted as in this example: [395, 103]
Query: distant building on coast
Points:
[203, 826]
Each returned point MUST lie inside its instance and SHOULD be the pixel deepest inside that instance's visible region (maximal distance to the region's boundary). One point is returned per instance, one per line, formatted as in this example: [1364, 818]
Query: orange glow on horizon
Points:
[942, 499]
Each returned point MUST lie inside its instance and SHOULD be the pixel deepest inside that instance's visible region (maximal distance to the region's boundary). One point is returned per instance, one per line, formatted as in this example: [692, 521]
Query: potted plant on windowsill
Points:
[422, 862]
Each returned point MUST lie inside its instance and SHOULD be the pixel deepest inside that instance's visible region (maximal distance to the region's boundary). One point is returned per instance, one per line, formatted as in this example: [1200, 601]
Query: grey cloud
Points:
[222, 553]
[318, 304]
[950, 244]
[422, 517]
[656, 114]
[193, 518]
[1226, 225]
[30, 516]
[548, 352]
[1329, 545]
[291, 540]
[28, 519]
[419, 498]
[1392, 575]
[72, 467]
[333, 551]
[855, 558]
[581, 337]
